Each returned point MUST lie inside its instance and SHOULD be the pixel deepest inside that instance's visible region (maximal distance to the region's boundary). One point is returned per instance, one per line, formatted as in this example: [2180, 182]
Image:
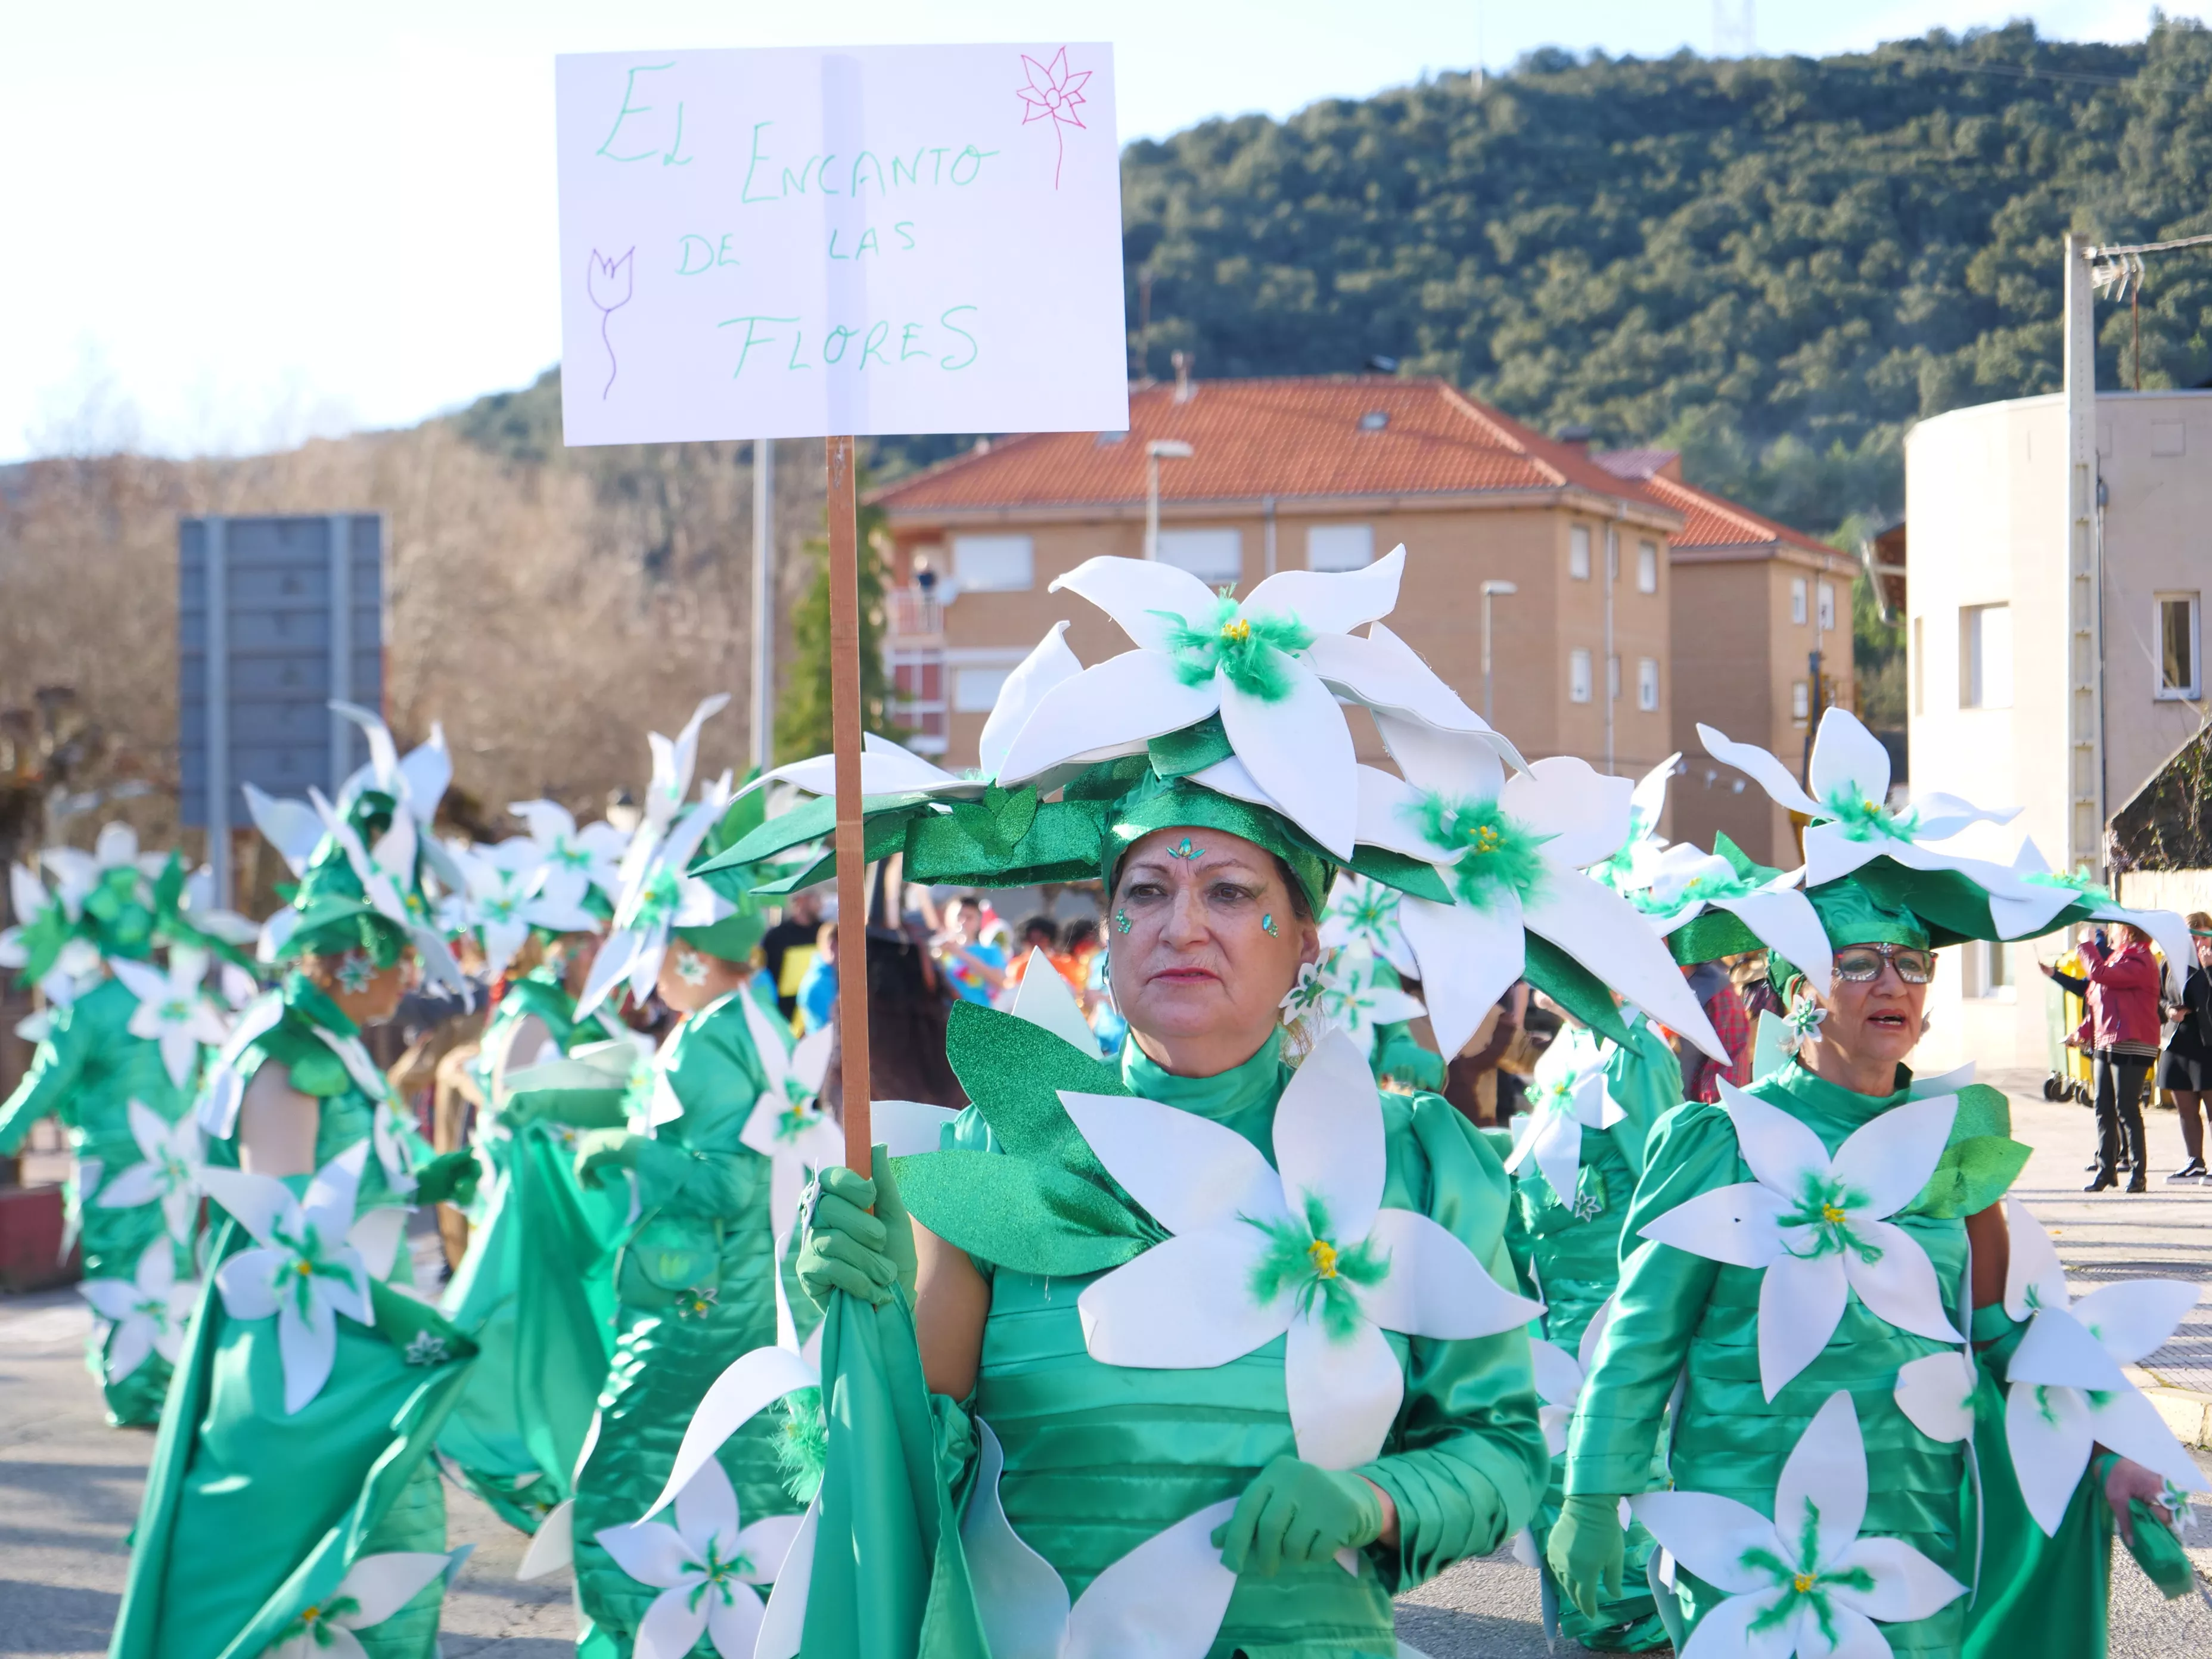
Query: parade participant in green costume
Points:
[1811, 1235]
[293, 1461]
[695, 1277]
[1227, 1343]
[117, 1065]
[535, 1290]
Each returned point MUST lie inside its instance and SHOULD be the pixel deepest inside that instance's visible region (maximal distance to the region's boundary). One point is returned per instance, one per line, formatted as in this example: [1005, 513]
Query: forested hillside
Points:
[1775, 265]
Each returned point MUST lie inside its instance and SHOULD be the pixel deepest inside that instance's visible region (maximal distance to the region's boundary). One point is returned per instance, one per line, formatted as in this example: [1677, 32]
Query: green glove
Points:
[843, 1248]
[1297, 1514]
[1585, 1551]
[602, 1151]
[448, 1178]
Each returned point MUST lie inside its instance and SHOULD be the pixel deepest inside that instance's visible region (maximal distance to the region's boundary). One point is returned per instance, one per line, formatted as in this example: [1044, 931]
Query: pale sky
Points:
[232, 225]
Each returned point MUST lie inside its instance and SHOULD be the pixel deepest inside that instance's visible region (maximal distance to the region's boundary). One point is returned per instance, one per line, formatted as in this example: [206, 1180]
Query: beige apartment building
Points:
[1323, 474]
[1762, 643]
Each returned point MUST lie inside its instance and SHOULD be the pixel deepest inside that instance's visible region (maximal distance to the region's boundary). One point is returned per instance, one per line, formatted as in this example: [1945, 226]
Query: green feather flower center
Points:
[1499, 855]
[1253, 652]
[1862, 820]
[1825, 1206]
[1305, 1261]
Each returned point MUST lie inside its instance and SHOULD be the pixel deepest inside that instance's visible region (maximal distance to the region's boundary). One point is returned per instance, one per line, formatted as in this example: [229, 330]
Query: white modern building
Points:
[2054, 601]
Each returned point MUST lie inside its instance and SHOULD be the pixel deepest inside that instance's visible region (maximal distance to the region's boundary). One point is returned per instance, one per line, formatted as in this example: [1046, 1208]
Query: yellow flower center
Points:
[312, 1614]
[1237, 629]
[1831, 1215]
[1486, 839]
[1802, 1583]
[301, 1268]
[1324, 1258]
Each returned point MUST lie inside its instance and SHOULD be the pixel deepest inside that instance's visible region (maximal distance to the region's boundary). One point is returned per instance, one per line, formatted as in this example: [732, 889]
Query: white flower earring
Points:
[1803, 1022]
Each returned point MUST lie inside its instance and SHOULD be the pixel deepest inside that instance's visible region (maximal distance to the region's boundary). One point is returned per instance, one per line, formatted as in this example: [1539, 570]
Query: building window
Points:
[993, 564]
[1919, 666]
[1211, 556]
[1988, 973]
[1985, 656]
[2180, 672]
[1578, 676]
[1797, 600]
[1827, 607]
[1647, 684]
[976, 691]
[1647, 566]
[1800, 702]
[1340, 547]
[1579, 549]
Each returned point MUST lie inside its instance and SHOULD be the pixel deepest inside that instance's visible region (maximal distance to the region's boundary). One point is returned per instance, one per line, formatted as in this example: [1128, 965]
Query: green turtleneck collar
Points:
[1241, 1098]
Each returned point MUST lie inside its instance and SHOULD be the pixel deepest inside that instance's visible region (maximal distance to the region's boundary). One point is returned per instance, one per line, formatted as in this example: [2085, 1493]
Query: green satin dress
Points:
[1569, 1258]
[535, 1290]
[253, 1514]
[693, 1291]
[1680, 1315]
[1099, 1458]
[88, 1068]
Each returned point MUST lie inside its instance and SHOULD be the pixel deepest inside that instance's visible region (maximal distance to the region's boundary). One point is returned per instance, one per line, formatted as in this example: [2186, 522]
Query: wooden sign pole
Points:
[851, 841]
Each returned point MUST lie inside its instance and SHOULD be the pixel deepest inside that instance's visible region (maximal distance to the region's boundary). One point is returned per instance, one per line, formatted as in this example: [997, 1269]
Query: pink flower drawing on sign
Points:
[1055, 93]
[608, 282]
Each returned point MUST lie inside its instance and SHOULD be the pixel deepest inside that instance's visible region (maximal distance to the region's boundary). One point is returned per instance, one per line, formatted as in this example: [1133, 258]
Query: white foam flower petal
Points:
[1830, 854]
[1907, 1585]
[1555, 1142]
[1857, 1636]
[2034, 1278]
[339, 1644]
[1601, 930]
[2048, 1432]
[1136, 696]
[1023, 1602]
[1847, 758]
[1781, 1150]
[1184, 1304]
[733, 1618]
[247, 1281]
[2135, 1317]
[112, 1299]
[1726, 1633]
[2058, 1351]
[1935, 1393]
[1331, 602]
[1343, 1396]
[2130, 1424]
[1328, 1137]
[384, 1584]
[747, 1386]
[1048, 664]
[1436, 1288]
[1455, 765]
[1558, 1377]
[1388, 817]
[1583, 812]
[1166, 1598]
[307, 1343]
[1900, 1286]
[783, 1623]
[1823, 1482]
[674, 1622]
[1133, 591]
[1800, 1303]
[1044, 999]
[651, 1552]
[1762, 769]
[1710, 1534]
[1467, 958]
[1740, 1224]
[707, 1507]
[1299, 749]
[765, 1543]
[1785, 920]
[1189, 1172]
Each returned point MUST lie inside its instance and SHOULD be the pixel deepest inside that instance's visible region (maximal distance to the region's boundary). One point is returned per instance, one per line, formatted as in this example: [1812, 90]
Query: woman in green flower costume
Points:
[295, 1441]
[1213, 1347]
[117, 1065]
[1828, 1230]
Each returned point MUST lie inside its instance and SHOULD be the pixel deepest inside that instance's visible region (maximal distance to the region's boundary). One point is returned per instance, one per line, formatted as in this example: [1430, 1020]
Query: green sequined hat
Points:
[335, 915]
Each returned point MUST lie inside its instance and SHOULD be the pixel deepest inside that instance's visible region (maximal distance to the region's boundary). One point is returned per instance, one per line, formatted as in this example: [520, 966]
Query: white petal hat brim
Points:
[1134, 592]
[1332, 602]
[1299, 749]
[1131, 698]
[1467, 958]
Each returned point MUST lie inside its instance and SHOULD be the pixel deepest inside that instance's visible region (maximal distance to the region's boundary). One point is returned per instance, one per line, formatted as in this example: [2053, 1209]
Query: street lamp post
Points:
[1491, 590]
[1160, 449]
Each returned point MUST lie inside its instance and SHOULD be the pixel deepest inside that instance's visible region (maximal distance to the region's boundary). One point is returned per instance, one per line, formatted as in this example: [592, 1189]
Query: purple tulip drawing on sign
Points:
[1053, 94]
[610, 283]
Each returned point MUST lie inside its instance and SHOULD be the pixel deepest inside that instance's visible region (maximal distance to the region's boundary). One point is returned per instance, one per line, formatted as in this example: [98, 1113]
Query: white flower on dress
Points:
[1568, 1094]
[303, 1267]
[706, 1568]
[172, 1158]
[1343, 990]
[1803, 1581]
[2068, 1390]
[1513, 851]
[148, 1310]
[1936, 1392]
[1817, 1226]
[1309, 1252]
[1365, 912]
[374, 1588]
[787, 1125]
[172, 1012]
[577, 858]
[389, 885]
[511, 890]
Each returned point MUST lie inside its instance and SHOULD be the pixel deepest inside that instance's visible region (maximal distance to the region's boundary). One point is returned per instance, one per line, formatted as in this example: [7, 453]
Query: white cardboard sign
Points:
[801, 242]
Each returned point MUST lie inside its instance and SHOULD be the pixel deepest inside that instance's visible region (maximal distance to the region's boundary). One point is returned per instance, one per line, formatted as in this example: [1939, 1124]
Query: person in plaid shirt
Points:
[1701, 1076]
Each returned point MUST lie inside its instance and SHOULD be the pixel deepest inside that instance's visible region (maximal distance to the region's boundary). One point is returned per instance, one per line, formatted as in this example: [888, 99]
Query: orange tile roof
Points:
[1292, 437]
[1711, 520]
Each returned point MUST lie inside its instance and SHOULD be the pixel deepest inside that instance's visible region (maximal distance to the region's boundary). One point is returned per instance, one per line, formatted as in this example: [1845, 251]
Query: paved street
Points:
[70, 1485]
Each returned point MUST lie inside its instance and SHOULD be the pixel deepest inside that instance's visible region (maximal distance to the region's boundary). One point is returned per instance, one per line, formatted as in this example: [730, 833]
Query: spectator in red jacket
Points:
[1701, 1076]
[2122, 991]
